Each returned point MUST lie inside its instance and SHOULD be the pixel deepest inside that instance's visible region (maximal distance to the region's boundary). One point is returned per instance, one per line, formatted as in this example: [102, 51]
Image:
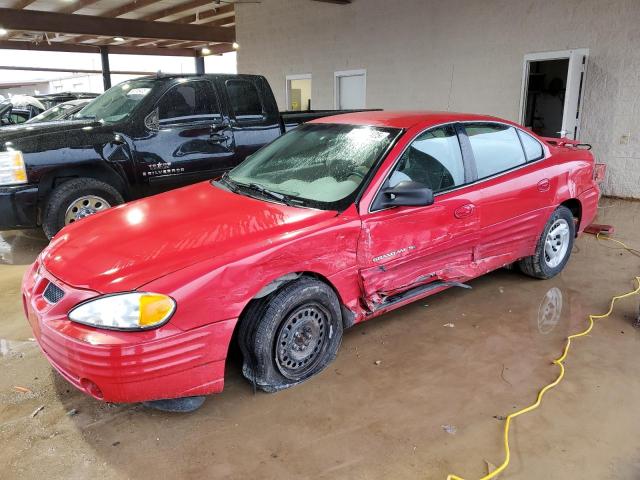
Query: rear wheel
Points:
[291, 335]
[554, 246]
[76, 199]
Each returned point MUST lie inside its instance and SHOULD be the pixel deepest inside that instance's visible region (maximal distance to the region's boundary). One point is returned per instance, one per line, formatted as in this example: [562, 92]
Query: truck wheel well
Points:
[575, 206]
[56, 178]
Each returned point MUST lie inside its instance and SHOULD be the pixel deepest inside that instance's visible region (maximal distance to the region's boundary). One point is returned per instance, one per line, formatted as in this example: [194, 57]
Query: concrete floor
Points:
[359, 419]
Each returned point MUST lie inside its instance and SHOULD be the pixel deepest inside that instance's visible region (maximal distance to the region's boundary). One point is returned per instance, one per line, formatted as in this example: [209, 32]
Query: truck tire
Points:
[76, 199]
[290, 335]
[554, 246]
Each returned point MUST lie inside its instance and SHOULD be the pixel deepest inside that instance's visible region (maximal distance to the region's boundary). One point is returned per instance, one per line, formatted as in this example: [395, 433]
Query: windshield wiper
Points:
[228, 182]
[268, 193]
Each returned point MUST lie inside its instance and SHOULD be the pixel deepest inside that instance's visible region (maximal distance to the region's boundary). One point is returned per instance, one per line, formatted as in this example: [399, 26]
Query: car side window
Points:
[532, 148]
[433, 159]
[496, 148]
[188, 102]
[245, 100]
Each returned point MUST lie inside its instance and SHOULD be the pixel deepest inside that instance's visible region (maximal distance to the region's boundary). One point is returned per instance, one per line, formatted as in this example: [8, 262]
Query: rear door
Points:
[406, 247]
[254, 115]
[516, 191]
[186, 139]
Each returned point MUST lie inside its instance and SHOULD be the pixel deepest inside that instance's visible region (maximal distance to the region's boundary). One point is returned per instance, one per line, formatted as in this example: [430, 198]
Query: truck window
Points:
[188, 102]
[245, 100]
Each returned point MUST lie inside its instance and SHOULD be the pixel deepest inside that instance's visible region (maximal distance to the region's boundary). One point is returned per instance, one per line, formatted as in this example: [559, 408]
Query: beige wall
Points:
[463, 55]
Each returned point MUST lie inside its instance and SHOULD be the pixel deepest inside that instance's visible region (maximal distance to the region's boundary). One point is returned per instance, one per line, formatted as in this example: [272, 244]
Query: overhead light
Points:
[118, 39]
[205, 51]
[235, 45]
[3, 32]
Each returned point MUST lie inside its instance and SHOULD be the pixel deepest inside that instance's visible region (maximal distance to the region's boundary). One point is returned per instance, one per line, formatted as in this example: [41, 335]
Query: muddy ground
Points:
[407, 398]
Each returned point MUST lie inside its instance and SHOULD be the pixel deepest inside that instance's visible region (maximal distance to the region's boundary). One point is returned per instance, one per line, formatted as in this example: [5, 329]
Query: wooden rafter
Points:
[66, 47]
[20, 4]
[168, 12]
[90, 25]
[79, 5]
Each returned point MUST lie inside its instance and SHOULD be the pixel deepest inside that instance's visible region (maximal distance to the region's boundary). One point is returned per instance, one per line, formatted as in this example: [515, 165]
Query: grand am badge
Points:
[393, 254]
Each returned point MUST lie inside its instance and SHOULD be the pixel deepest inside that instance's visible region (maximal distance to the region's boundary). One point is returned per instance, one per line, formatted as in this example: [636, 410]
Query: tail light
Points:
[599, 172]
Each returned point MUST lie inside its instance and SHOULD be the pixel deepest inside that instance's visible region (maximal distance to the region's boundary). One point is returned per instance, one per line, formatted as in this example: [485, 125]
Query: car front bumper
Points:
[118, 366]
[18, 207]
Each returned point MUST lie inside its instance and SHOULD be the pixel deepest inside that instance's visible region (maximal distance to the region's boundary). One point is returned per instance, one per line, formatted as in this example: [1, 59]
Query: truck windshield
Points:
[317, 165]
[117, 103]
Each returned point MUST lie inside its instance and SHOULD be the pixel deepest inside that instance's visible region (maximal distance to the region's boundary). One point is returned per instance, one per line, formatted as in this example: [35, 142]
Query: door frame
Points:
[362, 72]
[552, 55]
[288, 78]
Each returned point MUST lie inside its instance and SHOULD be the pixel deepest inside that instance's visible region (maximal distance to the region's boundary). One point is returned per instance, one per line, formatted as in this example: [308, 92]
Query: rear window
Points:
[496, 148]
[532, 148]
[245, 100]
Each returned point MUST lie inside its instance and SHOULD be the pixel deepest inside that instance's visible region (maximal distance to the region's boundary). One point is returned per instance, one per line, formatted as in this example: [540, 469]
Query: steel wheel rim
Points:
[83, 207]
[556, 244]
[301, 340]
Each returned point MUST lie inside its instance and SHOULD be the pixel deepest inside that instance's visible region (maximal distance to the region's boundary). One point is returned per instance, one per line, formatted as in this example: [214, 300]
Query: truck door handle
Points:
[544, 185]
[464, 210]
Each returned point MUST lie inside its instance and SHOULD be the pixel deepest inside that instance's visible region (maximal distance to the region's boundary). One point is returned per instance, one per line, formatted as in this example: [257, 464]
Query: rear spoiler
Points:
[566, 142]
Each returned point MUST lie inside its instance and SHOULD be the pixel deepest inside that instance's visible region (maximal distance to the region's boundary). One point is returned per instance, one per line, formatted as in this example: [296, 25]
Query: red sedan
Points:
[334, 223]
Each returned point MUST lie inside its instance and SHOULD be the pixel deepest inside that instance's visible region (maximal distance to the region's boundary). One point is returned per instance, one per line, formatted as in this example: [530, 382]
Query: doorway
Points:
[298, 91]
[350, 89]
[552, 92]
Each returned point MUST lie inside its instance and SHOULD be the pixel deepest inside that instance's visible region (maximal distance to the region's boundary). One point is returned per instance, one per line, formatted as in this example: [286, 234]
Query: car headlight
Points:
[125, 311]
[12, 169]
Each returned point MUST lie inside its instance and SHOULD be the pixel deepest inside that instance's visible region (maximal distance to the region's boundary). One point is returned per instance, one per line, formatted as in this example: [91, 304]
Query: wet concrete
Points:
[428, 408]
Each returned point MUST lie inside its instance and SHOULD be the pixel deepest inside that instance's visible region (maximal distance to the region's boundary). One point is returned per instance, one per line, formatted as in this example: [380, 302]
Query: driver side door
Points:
[402, 248]
[186, 139]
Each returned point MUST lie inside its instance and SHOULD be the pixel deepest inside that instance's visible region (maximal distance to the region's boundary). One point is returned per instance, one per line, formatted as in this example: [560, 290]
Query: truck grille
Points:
[53, 293]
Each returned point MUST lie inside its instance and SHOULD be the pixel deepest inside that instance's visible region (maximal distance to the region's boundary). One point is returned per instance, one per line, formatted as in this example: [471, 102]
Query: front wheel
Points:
[554, 246]
[290, 335]
[76, 199]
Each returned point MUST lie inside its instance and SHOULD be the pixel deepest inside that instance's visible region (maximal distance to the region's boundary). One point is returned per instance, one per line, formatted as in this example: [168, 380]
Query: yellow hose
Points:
[558, 361]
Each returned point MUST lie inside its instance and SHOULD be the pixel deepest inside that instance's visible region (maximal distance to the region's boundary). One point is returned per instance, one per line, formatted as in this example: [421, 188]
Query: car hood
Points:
[130, 245]
[26, 135]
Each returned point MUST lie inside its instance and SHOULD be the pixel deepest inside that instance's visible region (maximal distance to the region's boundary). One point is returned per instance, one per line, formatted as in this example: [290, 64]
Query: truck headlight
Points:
[125, 311]
[12, 169]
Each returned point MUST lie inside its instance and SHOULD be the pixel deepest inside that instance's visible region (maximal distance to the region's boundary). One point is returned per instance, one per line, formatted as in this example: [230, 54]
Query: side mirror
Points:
[404, 194]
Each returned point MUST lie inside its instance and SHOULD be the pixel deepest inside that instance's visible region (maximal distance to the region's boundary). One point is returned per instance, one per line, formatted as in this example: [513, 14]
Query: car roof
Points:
[404, 119]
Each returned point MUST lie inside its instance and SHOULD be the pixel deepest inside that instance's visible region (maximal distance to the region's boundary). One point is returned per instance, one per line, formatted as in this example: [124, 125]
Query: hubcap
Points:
[83, 207]
[557, 242]
[302, 340]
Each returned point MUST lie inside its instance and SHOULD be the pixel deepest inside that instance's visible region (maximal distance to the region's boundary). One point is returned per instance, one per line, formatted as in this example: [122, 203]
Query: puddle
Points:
[21, 247]
[15, 348]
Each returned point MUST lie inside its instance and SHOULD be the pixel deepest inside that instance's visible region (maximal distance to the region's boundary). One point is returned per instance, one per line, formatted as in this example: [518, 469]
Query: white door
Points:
[351, 89]
[574, 94]
[573, 78]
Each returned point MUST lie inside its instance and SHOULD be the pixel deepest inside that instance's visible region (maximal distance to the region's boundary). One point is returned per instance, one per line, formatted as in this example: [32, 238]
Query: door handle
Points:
[544, 185]
[464, 210]
[217, 138]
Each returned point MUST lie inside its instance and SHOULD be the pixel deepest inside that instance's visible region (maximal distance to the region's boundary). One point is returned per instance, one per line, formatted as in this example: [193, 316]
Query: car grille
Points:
[53, 293]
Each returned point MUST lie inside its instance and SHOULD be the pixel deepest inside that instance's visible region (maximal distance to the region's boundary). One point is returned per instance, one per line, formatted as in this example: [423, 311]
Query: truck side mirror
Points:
[405, 194]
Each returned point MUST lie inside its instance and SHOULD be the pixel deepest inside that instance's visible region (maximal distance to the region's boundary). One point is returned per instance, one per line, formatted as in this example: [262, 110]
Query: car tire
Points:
[554, 246]
[97, 194]
[290, 335]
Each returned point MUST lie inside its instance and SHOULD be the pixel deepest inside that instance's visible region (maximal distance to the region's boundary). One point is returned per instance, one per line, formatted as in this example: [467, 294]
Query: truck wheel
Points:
[554, 246]
[76, 199]
[291, 335]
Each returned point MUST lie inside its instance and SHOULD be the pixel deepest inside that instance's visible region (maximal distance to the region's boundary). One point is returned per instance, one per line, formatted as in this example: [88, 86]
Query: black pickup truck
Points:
[141, 137]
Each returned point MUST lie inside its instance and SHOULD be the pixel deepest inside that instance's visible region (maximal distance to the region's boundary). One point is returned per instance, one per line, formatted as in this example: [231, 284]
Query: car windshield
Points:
[117, 103]
[319, 165]
[55, 113]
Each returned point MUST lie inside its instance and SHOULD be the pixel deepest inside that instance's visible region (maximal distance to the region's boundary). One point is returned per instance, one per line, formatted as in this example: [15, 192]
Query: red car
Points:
[336, 222]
